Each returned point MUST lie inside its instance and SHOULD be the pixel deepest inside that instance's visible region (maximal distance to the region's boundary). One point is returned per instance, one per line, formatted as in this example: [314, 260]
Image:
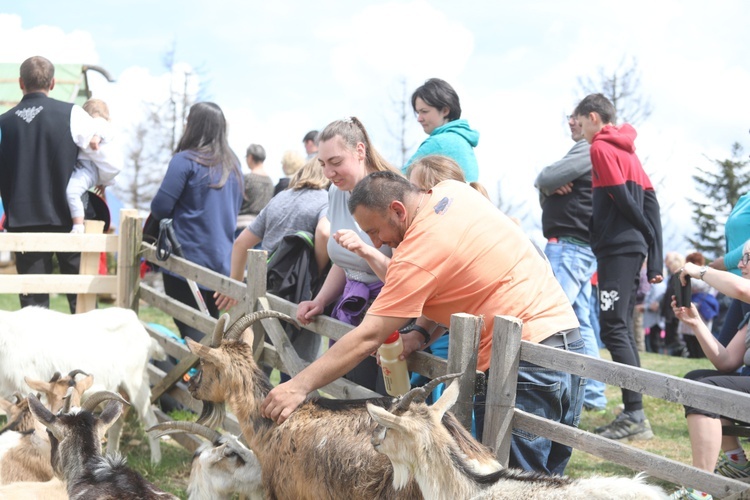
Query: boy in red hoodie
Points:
[625, 228]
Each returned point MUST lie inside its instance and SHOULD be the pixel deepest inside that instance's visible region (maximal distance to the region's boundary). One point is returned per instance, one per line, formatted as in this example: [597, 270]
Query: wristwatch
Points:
[702, 272]
[415, 327]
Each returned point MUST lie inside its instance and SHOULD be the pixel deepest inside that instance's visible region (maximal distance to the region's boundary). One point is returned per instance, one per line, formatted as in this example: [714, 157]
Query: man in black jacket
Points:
[39, 141]
[565, 196]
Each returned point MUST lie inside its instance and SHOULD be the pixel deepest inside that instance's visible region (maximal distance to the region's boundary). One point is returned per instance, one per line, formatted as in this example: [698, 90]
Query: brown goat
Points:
[24, 449]
[323, 450]
[56, 389]
[28, 456]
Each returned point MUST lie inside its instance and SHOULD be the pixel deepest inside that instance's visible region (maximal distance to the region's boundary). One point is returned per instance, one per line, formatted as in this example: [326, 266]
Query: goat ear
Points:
[85, 384]
[45, 417]
[383, 416]
[200, 350]
[38, 385]
[447, 399]
[5, 405]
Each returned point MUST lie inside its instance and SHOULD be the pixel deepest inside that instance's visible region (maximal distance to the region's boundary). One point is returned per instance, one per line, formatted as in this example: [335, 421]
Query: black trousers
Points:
[733, 381]
[619, 276]
[179, 290]
[41, 263]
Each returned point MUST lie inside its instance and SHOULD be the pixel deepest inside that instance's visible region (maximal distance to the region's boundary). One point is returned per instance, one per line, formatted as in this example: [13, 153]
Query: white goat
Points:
[76, 452]
[416, 444]
[109, 343]
[221, 467]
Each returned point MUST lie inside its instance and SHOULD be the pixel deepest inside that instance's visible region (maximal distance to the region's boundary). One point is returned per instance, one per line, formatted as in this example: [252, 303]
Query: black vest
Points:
[37, 156]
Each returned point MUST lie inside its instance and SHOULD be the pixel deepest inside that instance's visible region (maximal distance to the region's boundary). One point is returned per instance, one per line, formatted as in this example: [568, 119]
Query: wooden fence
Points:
[88, 283]
[508, 350]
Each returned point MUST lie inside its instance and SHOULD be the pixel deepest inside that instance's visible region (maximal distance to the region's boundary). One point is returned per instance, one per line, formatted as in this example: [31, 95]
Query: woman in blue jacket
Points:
[438, 110]
[202, 193]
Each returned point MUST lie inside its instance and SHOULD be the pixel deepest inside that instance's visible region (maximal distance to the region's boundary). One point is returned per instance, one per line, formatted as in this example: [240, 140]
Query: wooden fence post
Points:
[463, 343]
[256, 288]
[501, 386]
[128, 261]
[89, 266]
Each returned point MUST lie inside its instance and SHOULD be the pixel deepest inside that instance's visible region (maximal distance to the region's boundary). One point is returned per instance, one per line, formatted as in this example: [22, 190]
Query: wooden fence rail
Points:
[253, 296]
[501, 417]
[88, 283]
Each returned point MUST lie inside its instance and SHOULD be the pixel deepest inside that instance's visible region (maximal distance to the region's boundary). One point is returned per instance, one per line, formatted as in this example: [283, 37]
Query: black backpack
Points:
[292, 272]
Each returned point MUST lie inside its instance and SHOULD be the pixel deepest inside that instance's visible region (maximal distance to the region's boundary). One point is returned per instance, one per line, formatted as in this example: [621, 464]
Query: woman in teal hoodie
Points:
[438, 110]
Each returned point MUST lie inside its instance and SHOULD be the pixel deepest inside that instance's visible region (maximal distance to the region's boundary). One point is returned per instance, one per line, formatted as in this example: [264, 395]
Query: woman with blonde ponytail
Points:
[346, 156]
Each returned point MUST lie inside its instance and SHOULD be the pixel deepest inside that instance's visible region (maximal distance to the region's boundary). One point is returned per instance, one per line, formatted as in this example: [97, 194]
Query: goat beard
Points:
[212, 415]
[401, 475]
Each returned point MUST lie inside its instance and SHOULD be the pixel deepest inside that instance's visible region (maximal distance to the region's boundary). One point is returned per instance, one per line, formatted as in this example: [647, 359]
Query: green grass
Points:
[667, 420]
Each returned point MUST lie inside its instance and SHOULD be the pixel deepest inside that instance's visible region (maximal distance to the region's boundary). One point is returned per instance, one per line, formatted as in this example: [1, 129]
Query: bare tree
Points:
[146, 159]
[398, 127]
[623, 87]
[154, 139]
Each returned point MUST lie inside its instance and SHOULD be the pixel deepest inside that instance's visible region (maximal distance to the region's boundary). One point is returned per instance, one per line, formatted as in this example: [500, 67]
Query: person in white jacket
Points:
[97, 164]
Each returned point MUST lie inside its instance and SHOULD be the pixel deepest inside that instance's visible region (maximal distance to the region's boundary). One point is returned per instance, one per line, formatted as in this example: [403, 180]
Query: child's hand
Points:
[94, 144]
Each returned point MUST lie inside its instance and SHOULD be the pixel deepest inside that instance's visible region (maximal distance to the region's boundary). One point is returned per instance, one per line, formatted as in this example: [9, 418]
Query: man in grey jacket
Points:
[565, 196]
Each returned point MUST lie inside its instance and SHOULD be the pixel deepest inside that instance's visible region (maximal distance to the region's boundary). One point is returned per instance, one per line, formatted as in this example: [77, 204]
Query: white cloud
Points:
[394, 39]
[48, 41]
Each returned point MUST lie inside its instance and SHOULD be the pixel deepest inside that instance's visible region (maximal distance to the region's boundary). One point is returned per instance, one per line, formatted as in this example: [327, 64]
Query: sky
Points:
[281, 68]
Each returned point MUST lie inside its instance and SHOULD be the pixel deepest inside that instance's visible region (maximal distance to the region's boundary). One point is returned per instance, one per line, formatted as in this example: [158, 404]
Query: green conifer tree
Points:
[721, 187]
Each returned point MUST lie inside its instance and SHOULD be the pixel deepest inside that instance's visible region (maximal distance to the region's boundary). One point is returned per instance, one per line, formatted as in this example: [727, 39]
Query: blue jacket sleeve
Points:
[171, 188]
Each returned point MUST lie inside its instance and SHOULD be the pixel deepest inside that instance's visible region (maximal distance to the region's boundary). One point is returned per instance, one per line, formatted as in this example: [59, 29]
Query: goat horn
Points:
[55, 377]
[219, 330]
[184, 426]
[67, 400]
[75, 373]
[247, 320]
[92, 402]
[18, 396]
[419, 394]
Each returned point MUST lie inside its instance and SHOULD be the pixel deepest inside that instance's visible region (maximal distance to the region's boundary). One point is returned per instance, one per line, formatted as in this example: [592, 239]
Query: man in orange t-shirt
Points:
[456, 252]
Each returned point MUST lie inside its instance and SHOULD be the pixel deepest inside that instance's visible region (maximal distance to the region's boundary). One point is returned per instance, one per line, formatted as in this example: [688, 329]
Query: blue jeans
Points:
[551, 394]
[573, 266]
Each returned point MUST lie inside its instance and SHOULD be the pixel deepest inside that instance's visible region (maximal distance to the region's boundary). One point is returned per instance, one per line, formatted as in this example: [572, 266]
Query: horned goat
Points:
[110, 343]
[25, 449]
[411, 437]
[76, 452]
[221, 467]
[322, 450]
[57, 391]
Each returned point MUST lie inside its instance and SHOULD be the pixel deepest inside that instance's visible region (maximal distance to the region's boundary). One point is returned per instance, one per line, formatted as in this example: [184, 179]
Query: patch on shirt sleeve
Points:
[442, 205]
